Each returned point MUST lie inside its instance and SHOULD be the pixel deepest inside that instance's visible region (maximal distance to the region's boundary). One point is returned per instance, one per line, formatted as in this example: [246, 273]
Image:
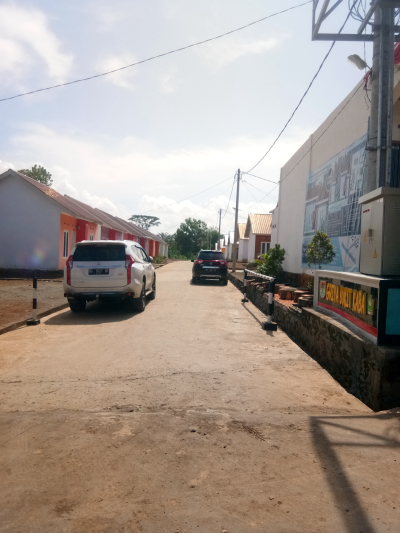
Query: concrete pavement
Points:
[187, 417]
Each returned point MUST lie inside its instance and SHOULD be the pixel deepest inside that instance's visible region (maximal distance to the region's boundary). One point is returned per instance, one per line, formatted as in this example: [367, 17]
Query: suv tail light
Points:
[128, 264]
[198, 261]
[223, 263]
[70, 262]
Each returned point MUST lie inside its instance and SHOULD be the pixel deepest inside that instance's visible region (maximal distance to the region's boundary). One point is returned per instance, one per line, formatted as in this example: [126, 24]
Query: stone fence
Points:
[370, 373]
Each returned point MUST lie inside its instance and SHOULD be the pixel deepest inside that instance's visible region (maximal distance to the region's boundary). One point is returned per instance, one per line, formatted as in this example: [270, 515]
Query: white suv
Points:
[100, 270]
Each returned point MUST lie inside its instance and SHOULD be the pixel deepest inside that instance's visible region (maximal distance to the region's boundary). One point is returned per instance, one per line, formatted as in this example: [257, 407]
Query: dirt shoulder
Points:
[16, 298]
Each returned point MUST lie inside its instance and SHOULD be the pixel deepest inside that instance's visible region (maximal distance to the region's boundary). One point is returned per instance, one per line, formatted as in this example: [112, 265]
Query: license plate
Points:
[211, 270]
[98, 271]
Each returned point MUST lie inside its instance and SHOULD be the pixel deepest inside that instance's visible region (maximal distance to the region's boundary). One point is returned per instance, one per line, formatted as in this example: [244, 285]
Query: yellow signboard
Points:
[349, 298]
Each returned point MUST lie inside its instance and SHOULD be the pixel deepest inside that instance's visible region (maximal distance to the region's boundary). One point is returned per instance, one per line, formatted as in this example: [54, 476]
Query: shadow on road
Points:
[96, 313]
[208, 282]
[334, 436]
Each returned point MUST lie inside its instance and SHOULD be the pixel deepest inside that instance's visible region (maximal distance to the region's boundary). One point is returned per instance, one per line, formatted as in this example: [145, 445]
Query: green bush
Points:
[160, 258]
[273, 260]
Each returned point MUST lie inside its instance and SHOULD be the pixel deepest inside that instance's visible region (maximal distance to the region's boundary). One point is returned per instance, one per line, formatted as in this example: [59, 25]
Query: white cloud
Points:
[128, 176]
[220, 53]
[26, 42]
[168, 82]
[122, 78]
[4, 165]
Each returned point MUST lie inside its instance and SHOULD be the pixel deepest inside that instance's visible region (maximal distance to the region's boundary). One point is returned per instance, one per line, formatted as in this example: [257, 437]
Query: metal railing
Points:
[268, 325]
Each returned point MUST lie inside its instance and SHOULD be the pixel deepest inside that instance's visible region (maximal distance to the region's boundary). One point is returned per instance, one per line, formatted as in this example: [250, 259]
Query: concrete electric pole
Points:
[219, 230]
[236, 236]
[379, 149]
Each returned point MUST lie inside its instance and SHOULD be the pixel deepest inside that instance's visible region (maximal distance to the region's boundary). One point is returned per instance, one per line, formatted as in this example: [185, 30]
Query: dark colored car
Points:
[210, 264]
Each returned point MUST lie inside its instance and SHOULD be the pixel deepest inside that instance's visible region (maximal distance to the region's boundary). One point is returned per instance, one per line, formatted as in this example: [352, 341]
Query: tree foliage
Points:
[145, 221]
[191, 236]
[273, 261]
[320, 251]
[38, 173]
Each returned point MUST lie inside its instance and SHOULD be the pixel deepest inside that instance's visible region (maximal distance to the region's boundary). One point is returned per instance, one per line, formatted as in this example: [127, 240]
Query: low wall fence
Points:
[369, 372]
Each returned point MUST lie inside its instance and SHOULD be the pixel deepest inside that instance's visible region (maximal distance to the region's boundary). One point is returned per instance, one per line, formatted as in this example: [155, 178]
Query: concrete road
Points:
[185, 418]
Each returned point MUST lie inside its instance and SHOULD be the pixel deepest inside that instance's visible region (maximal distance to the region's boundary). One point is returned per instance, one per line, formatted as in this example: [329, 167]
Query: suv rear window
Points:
[100, 252]
[213, 256]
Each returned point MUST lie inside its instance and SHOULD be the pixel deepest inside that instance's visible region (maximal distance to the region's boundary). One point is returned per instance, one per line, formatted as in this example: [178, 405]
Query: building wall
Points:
[29, 227]
[69, 224]
[243, 248]
[274, 226]
[251, 250]
[349, 126]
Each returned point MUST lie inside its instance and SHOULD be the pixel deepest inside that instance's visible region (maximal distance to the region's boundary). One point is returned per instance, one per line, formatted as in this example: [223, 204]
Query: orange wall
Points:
[259, 240]
[69, 224]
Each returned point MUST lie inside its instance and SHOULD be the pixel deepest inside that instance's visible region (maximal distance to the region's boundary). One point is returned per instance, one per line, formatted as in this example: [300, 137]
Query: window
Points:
[66, 244]
[213, 256]
[99, 252]
[265, 246]
[91, 238]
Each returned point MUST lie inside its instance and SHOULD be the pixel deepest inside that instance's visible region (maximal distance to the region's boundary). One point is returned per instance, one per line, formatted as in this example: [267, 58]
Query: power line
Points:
[323, 133]
[179, 201]
[233, 184]
[254, 187]
[197, 212]
[305, 94]
[157, 56]
[244, 183]
[264, 179]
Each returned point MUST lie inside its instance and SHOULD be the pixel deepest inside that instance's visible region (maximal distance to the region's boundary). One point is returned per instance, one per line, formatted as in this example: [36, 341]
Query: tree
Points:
[273, 260]
[38, 173]
[145, 221]
[320, 251]
[191, 236]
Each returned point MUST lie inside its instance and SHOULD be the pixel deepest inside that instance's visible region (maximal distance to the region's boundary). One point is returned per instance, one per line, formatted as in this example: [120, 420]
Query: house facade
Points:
[258, 233]
[39, 226]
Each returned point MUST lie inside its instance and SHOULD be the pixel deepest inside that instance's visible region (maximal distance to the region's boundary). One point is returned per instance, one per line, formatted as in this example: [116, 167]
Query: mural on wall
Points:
[332, 206]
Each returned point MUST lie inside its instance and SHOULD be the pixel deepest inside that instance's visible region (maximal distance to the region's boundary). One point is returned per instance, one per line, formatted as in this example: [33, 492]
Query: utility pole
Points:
[219, 230]
[379, 149]
[236, 223]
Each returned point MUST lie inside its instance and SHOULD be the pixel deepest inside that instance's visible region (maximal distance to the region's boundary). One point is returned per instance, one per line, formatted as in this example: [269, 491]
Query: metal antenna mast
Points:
[384, 34]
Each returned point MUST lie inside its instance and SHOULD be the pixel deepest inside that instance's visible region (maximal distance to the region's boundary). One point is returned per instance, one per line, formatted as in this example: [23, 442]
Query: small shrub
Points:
[273, 260]
[320, 251]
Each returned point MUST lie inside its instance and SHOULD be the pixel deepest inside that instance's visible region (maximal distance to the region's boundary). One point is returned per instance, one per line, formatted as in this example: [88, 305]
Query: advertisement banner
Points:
[332, 206]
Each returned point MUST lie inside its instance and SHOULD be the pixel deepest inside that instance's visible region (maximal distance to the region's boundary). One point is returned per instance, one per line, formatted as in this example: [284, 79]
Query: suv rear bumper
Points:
[90, 296]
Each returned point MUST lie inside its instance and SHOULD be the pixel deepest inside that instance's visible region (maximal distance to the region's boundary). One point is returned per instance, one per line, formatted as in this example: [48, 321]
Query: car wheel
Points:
[194, 281]
[152, 295]
[225, 282]
[139, 304]
[77, 305]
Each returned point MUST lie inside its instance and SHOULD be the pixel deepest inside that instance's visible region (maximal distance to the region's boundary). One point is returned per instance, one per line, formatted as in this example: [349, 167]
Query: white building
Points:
[321, 183]
[243, 243]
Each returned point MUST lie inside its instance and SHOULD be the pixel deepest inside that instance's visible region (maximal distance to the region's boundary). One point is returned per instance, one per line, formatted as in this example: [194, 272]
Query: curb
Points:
[21, 323]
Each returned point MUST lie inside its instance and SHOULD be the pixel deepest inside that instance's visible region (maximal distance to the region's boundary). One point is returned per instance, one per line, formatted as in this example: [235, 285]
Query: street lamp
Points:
[358, 62]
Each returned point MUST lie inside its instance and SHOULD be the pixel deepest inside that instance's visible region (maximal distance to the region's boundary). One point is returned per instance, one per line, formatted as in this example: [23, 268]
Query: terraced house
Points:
[39, 226]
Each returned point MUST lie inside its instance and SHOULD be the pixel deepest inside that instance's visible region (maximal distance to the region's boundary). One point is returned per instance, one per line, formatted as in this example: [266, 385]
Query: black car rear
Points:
[210, 264]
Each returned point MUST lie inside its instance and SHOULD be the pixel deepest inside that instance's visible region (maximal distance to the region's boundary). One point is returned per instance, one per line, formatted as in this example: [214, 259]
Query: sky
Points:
[139, 140]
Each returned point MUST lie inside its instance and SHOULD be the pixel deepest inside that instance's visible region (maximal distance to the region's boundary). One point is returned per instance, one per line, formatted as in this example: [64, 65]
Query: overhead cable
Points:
[187, 198]
[197, 212]
[318, 138]
[157, 56]
[230, 196]
[304, 95]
